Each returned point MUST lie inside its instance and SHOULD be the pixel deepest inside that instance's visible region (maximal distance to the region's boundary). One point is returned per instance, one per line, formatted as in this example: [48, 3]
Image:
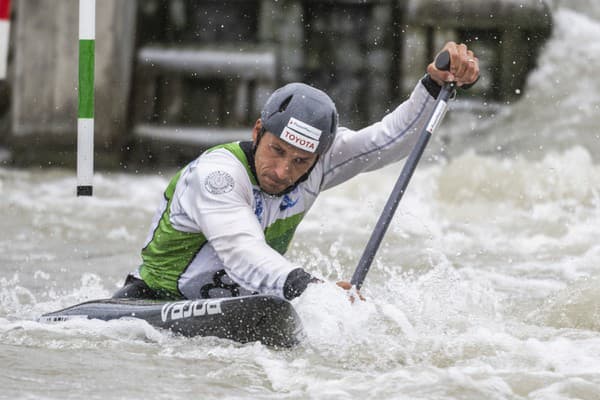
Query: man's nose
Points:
[282, 169]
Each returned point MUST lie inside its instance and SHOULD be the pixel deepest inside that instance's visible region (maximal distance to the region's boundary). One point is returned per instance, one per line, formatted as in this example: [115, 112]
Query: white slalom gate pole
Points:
[85, 121]
[4, 36]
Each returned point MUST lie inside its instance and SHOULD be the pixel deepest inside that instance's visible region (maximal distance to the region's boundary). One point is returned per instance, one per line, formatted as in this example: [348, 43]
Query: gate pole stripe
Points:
[4, 9]
[4, 36]
[86, 78]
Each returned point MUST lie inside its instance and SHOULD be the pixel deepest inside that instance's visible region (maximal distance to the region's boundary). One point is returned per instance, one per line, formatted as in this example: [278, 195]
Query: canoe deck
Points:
[267, 319]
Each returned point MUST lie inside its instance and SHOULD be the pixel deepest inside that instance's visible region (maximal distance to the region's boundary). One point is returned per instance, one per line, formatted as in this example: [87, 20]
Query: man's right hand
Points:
[347, 286]
[464, 66]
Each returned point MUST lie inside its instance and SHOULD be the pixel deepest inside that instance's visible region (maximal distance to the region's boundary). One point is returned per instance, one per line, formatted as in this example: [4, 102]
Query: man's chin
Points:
[272, 191]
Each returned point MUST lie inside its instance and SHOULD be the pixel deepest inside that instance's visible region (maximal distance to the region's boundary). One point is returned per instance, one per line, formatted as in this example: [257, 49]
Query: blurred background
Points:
[175, 76]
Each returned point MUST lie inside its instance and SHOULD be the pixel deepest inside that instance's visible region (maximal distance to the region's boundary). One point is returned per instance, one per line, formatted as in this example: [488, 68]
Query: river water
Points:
[487, 285]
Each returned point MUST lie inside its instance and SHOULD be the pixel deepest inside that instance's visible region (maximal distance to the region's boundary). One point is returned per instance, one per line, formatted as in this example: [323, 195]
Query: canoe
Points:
[263, 318]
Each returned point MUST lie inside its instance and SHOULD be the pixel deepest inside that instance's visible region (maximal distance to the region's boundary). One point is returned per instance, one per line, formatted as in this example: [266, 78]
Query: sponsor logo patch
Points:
[219, 182]
[189, 308]
[259, 208]
[60, 318]
[305, 129]
[301, 135]
[287, 202]
[300, 141]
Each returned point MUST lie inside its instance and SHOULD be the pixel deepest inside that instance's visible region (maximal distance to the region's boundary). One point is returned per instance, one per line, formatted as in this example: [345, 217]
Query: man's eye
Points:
[277, 150]
[300, 161]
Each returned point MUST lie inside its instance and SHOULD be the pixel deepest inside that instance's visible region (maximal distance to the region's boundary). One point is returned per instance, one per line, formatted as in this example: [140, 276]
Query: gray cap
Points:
[302, 116]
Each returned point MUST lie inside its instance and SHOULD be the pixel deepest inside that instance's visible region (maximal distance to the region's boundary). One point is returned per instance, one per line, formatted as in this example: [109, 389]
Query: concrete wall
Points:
[368, 54]
[505, 34]
[45, 72]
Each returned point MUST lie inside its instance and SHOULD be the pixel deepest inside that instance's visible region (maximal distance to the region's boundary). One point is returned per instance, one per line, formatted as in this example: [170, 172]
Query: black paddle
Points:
[442, 62]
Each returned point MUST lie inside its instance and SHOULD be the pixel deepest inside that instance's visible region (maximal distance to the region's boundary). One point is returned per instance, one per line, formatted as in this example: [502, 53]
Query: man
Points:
[228, 217]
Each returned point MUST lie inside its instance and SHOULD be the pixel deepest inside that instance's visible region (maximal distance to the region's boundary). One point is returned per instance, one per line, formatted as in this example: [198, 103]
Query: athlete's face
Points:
[279, 164]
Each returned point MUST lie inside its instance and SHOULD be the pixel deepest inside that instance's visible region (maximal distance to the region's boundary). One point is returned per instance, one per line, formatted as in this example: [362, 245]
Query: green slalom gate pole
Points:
[85, 120]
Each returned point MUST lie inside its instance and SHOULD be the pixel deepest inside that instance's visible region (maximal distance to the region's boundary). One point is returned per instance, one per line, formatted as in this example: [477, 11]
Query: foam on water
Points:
[489, 290]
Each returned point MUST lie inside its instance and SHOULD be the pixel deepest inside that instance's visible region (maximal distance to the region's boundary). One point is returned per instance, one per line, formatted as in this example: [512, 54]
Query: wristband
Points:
[296, 283]
[432, 87]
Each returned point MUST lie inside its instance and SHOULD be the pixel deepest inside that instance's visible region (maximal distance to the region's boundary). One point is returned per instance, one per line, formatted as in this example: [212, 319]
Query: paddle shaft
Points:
[441, 105]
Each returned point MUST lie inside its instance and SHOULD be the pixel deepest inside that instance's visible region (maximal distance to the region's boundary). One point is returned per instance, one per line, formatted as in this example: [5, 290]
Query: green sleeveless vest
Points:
[170, 251]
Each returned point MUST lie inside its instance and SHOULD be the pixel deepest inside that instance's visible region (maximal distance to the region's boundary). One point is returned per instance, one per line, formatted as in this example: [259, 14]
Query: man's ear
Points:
[256, 130]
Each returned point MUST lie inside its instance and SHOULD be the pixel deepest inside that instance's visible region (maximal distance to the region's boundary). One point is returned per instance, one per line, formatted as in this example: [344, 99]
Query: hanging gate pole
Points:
[85, 121]
[4, 36]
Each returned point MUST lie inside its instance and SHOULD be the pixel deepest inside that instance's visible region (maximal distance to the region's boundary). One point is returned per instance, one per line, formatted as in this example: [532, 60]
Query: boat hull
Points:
[267, 319]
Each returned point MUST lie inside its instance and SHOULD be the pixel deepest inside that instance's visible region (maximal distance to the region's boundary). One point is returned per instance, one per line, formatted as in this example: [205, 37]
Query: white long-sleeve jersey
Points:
[218, 234]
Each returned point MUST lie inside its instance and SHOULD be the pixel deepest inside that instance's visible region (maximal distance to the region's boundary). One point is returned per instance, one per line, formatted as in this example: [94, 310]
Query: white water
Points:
[487, 285]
